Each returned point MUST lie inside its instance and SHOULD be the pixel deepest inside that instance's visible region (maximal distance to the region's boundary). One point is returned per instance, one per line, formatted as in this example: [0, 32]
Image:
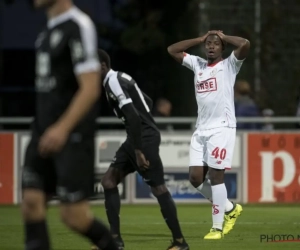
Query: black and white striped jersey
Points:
[66, 48]
[130, 105]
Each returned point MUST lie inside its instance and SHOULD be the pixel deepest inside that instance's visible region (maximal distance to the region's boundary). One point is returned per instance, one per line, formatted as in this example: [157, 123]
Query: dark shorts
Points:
[68, 174]
[125, 160]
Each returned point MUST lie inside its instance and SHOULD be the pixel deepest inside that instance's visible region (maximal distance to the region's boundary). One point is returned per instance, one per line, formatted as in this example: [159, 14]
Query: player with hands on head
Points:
[213, 141]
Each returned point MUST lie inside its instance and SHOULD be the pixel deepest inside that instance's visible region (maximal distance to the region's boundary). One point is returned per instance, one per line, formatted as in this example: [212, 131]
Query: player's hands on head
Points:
[219, 33]
[141, 160]
[215, 32]
[206, 35]
[53, 139]
[203, 38]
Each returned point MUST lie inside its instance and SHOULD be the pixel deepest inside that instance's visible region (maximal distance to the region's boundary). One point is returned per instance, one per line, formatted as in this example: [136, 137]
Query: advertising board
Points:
[180, 188]
[273, 173]
[7, 169]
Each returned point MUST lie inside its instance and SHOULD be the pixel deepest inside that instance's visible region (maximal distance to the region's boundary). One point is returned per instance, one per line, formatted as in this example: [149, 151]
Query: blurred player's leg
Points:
[34, 216]
[77, 216]
[75, 189]
[35, 185]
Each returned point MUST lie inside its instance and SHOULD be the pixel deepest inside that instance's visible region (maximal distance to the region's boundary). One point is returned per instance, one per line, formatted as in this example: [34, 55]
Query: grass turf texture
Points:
[143, 228]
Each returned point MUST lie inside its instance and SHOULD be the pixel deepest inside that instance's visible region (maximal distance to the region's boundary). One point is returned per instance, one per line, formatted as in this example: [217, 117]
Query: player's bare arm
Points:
[134, 121]
[89, 91]
[176, 50]
[242, 44]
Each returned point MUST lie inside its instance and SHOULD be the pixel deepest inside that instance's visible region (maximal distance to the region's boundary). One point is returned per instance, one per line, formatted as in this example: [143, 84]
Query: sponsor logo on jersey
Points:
[208, 85]
[76, 50]
[214, 72]
[55, 38]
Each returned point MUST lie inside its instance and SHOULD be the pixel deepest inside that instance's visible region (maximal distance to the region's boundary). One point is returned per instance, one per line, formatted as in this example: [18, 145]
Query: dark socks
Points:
[169, 212]
[99, 234]
[113, 205]
[37, 237]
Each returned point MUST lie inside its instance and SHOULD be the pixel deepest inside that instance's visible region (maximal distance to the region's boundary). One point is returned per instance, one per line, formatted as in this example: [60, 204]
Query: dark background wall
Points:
[136, 35]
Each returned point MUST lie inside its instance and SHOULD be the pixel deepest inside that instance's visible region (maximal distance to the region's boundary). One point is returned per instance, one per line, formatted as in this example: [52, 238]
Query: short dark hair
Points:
[104, 57]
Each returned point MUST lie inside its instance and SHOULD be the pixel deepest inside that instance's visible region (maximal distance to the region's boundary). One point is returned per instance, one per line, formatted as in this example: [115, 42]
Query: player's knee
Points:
[197, 175]
[108, 182]
[33, 205]
[195, 180]
[76, 216]
[159, 190]
[68, 219]
[216, 176]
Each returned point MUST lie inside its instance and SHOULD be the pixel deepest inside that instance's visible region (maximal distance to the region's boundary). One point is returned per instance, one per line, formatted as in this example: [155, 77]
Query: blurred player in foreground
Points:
[212, 143]
[60, 156]
[140, 151]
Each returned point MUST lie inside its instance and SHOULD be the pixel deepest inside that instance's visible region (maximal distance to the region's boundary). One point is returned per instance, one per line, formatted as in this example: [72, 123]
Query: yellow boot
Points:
[230, 219]
[214, 234]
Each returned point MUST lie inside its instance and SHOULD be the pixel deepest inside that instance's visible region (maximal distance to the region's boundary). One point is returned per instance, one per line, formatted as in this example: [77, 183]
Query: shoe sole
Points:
[239, 213]
[215, 239]
[222, 237]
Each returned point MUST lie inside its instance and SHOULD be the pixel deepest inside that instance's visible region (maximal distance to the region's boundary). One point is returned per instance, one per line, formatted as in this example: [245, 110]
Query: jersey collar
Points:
[213, 64]
[108, 75]
[52, 22]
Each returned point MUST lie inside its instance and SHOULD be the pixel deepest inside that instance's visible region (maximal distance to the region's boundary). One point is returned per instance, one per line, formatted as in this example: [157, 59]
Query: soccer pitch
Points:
[144, 229]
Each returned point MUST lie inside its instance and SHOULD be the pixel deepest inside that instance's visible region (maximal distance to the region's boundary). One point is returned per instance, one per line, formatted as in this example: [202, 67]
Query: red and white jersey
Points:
[214, 90]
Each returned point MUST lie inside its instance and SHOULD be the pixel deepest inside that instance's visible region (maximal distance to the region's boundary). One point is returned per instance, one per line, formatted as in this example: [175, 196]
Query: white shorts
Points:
[213, 147]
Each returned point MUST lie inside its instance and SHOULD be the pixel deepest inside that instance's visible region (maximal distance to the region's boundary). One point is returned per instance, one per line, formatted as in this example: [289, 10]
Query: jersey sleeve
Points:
[120, 94]
[126, 105]
[83, 47]
[191, 61]
[234, 64]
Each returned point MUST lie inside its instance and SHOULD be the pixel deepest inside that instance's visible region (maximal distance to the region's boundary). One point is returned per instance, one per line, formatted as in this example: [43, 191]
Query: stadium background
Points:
[136, 34]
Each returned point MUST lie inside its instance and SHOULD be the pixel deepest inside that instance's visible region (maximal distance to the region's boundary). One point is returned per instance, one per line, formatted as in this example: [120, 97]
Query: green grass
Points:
[144, 229]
